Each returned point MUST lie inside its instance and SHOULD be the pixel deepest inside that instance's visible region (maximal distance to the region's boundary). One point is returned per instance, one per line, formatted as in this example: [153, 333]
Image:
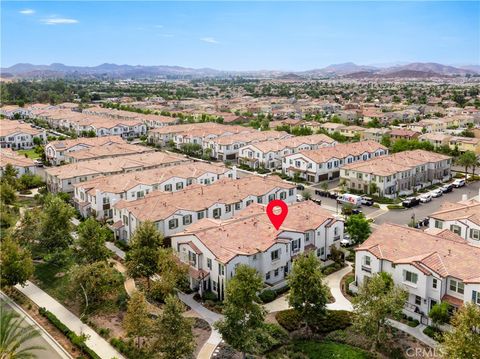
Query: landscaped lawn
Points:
[53, 280]
[30, 153]
[321, 350]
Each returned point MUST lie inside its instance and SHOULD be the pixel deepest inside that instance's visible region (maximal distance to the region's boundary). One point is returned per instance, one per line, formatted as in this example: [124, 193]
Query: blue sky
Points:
[239, 35]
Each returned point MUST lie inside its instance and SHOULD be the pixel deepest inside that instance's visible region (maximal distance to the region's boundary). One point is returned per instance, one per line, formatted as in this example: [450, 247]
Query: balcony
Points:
[366, 269]
[336, 238]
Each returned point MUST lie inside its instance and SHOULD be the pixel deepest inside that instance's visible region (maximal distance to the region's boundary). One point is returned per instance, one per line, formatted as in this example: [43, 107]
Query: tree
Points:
[7, 193]
[94, 282]
[173, 333]
[10, 175]
[467, 159]
[137, 322]
[464, 340]
[16, 263]
[171, 275]
[27, 231]
[306, 194]
[358, 227]
[28, 180]
[373, 188]
[142, 258]
[15, 336]
[56, 228]
[90, 245]
[243, 315]
[376, 301]
[308, 294]
[386, 141]
[439, 313]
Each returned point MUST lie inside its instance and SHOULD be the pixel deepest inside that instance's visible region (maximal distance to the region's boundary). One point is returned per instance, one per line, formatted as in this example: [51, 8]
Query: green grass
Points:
[319, 350]
[52, 282]
[30, 153]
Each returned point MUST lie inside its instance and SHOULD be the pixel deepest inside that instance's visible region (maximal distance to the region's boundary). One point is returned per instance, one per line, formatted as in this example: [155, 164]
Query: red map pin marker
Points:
[276, 217]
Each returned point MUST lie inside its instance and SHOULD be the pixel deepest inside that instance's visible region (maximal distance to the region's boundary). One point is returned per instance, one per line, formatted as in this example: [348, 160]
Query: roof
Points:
[11, 127]
[158, 205]
[63, 145]
[229, 238]
[468, 210]
[343, 150]
[7, 156]
[250, 137]
[403, 133]
[444, 256]
[397, 162]
[108, 150]
[293, 142]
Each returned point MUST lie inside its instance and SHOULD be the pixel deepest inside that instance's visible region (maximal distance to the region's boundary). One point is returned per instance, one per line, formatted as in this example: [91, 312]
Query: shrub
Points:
[267, 295]
[289, 319]
[335, 320]
[273, 337]
[209, 296]
[395, 206]
[433, 332]
[104, 332]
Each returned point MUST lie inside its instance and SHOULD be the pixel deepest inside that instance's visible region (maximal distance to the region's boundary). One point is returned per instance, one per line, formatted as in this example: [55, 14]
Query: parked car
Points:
[459, 182]
[38, 163]
[447, 188]
[424, 198]
[300, 198]
[410, 202]
[300, 187]
[317, 201]
[356, 211]
[333, 195]
[346, 241]
[367, 201]
[436, 193]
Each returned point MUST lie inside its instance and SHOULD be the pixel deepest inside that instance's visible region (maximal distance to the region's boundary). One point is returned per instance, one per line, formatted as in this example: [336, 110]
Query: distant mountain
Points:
[348, 69]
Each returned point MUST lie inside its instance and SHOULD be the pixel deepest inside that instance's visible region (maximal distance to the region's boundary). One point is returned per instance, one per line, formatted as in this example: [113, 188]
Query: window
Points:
[259, 199]
[475, 234]
[214, 286]
[168, 188]
[267, 276]
[187, 219]
[275, 255]
[189, 181]
[320, 252]
[283, 195]
[275, 273]
[200, 215]
[221, 269]
[367, 261]
[228, 208]
[238, 205]
[438, 224]
[173, 223]
[410, 277]
[140, 194]
[476, 297]
[290, 192]
[296, 245]
[249, 202]
[456, 229]
[179, 185]
[217, 213]
[271, 197]
[418, 300]
[307, 236]
[456, 286]
[435, 283]
[209, 263]
[192, 258]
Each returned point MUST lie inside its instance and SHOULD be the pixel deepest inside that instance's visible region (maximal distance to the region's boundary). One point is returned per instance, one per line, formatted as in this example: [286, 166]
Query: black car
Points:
[317, 201]
[356, 211]
[410, 202]
[300, 187]
[447, 188]
[333, 195]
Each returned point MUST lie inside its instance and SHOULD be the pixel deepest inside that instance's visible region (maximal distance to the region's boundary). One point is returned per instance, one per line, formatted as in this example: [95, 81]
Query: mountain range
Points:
[346, 70]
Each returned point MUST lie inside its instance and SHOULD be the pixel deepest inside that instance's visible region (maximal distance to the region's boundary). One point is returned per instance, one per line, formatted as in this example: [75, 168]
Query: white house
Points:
[173, 212]
[19, 135]
[432, 268]
[214, 248]
[325, 163]
[21, 163]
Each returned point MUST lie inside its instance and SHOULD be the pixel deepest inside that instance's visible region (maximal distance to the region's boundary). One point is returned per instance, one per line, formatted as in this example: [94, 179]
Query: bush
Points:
[433, 333]
[289, 319]
[209, 296]
[127, 348]
[267, 295]
[395, 206]
[78, 340]
[273, 337]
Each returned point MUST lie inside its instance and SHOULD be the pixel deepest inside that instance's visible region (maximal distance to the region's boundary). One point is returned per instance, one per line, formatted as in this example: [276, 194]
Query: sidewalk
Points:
[94, 341]
[416, 332]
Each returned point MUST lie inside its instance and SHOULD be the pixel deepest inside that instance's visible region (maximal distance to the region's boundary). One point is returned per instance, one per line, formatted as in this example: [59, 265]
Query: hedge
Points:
[267, 295]
[77, 340]
[334, 320]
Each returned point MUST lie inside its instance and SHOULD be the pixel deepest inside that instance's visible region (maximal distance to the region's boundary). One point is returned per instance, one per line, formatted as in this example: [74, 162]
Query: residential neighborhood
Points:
[233, 180]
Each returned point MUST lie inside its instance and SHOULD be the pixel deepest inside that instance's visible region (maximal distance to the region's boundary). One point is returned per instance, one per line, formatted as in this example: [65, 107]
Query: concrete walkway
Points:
[211, 317]
[94, 341]
[416, 332]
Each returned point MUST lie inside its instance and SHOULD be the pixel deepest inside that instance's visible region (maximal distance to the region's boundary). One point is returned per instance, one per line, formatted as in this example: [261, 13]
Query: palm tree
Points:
[467, 159]
[15, 335]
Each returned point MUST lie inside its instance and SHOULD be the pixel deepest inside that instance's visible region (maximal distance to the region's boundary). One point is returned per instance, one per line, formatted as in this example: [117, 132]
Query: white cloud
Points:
[210, 40]
[59, 21]
[27, 12]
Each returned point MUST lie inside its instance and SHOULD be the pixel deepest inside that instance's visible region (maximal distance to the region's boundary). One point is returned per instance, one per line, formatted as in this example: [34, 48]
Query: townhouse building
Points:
[270, 154]
[173, 212]
[437, 139]
[55, 151]
[352, 131]
[62, 178]
[403, 134]
[106, 151]
[18, 135]
[213, 248]
[465, 144]
[227, 148]
[97, 196]
[332, 127]
[151, 121]
[21, 163]
[432, 268]
[462, 218]
[397, 174]
[375, 134]
[324, 164]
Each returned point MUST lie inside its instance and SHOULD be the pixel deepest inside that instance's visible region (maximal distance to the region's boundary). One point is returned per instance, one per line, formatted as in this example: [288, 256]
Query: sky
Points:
[239, 35]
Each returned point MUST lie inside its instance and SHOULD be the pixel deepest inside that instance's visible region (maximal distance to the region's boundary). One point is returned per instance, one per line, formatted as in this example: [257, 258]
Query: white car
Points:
[424, 198]
[459, 182]
[436, 193]
[346, 241]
